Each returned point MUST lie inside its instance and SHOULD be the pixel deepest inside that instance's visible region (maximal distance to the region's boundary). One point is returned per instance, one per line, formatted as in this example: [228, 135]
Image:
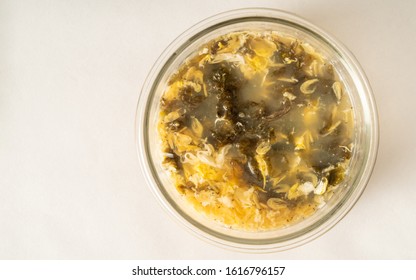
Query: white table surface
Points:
[70, 182]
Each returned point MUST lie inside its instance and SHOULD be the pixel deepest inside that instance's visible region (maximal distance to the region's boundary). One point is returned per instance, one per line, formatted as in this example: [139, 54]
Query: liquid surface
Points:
[256, 130]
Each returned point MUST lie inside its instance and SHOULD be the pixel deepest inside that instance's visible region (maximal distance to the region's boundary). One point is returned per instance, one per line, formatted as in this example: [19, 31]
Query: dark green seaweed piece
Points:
[190, 97]
[225, 81]
[336, 176]
[174, 160]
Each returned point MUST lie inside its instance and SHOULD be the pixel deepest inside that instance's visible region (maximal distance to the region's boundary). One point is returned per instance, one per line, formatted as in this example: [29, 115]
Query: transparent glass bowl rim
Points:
[145, 161]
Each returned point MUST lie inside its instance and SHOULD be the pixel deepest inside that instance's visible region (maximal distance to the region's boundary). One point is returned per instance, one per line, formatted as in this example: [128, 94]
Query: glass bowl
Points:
[365, 129]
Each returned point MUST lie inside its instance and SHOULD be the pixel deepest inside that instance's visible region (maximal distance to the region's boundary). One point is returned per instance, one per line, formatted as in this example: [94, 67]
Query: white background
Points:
[70, 182]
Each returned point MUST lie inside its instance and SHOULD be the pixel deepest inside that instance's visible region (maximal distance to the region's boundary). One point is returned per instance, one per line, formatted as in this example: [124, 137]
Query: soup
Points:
[256, 130]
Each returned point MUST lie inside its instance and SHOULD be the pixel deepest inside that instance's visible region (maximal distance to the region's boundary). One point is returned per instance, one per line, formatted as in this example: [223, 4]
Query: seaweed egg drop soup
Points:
[256, 130]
